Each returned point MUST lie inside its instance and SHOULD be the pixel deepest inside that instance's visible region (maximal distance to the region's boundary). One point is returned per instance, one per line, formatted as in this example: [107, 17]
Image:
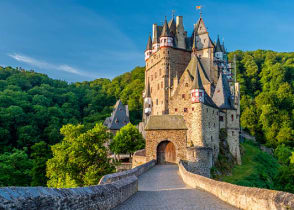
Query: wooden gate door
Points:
[170, 153]
[166, 153]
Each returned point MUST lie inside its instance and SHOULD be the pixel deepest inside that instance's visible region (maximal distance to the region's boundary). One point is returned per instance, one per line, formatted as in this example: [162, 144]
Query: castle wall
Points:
[161, 69]
[177, 137]
[210, 128]
[233, 129]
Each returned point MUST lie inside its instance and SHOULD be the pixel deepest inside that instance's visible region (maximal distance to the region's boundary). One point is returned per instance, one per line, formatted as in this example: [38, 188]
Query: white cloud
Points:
[45, 65]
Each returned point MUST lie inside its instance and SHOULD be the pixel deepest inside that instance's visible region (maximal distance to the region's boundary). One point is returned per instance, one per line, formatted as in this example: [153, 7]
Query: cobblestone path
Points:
[162, 188]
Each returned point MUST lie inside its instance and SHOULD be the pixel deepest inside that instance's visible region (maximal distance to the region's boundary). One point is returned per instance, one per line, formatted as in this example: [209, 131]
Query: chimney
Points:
[154, 33]
[179, 21]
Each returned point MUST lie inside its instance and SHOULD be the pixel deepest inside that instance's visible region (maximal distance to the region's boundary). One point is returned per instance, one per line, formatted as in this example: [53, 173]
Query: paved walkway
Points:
[162, 188]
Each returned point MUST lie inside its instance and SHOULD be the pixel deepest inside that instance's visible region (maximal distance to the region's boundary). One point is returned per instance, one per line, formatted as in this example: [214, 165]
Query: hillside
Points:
[33, 107]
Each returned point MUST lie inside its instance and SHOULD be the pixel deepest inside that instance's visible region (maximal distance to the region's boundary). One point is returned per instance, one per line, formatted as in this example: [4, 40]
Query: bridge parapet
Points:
[113, 190]
[250, 198]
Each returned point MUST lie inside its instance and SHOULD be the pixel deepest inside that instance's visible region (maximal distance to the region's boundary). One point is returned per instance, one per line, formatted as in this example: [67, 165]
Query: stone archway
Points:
[166, 153]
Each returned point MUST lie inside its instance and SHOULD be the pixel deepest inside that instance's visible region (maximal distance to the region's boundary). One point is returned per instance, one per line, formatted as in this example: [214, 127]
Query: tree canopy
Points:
[80, 159]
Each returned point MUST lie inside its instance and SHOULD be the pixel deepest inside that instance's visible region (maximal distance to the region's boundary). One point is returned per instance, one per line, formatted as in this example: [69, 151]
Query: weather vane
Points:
[200, 9]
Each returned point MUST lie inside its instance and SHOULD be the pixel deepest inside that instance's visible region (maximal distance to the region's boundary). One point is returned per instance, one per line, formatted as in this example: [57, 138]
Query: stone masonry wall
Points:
[233, 129]
[249, 198]
[161, 68]
[116, 189]
[177, 137]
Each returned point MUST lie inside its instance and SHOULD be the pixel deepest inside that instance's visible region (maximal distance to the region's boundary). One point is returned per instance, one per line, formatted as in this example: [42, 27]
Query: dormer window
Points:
[116, 121]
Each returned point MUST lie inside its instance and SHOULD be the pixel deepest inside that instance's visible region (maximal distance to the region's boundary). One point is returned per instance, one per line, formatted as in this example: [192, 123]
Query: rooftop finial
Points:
[173, 13]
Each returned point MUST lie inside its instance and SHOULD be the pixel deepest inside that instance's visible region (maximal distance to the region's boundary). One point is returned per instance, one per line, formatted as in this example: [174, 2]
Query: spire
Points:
[172, 26]
[222, 94]
[149, 43]
[218, 47]
[197, 82]
[165, 30]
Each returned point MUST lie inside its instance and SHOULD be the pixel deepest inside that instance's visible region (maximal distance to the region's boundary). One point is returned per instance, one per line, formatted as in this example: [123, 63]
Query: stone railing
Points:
[115, 189]
[137, 171]
[241, 197]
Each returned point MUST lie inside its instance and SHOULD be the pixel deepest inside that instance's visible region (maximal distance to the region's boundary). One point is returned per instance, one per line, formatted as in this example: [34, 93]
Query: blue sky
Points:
[77, 40]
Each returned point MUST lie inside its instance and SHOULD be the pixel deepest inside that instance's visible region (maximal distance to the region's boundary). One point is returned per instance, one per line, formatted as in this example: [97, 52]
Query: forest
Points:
[34, 107]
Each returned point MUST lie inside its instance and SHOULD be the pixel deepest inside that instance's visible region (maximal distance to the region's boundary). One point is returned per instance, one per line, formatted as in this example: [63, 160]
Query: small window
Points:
[221, 118]
[183, 96]
[185, 110]
[155, 75]
[214, 125]
[176, 109]
[161, 84]
[209, 124]
[116, 121]
[232, 117]
[186, 85]
[156, 101]
[233, 133]
[159, 72]
[157, 86]
[151, 77]
[192, 108]
[212, 111]
[151, 90]
[206, 109]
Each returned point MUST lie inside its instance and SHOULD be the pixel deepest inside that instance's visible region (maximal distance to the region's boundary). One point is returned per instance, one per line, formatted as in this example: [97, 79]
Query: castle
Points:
[189, 96]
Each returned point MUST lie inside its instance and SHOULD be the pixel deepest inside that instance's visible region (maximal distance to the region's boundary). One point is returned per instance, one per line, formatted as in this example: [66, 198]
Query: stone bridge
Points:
[148, 186]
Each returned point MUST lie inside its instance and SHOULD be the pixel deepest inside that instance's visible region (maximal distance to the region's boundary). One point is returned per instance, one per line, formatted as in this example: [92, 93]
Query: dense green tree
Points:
[41, 152]
[15, 168]
[127, 140]
[80, 159]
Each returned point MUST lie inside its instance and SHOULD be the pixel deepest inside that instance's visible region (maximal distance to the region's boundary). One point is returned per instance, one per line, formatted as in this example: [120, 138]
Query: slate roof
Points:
[149, 44]
[172, 26]
[197, 83]
[157, 33]
[218, 47]
[199, 78]
[166, 122]
[165, 30]
[118, 118]
[222, 94]
[148, 92]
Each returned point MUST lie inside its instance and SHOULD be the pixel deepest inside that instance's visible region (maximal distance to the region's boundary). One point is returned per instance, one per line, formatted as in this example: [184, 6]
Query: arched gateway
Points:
[166, 153]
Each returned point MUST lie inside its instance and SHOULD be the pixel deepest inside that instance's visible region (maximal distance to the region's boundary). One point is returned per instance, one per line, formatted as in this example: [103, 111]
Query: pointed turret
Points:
[172, 26]
[147, 101]
[218, 47]
[149, 44]
[165, 31]
[148, 51]
[166, 39]
[222, 94]
[219, 54]
[148, 92]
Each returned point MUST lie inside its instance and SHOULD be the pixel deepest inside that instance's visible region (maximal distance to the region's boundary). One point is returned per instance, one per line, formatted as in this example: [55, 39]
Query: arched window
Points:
[232, 117]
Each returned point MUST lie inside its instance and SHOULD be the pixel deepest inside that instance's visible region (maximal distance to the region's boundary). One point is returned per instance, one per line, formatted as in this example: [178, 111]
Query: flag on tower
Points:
[198, 7]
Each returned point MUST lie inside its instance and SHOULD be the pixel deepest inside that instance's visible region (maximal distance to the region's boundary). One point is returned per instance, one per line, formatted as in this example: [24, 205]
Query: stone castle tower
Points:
[189, 77]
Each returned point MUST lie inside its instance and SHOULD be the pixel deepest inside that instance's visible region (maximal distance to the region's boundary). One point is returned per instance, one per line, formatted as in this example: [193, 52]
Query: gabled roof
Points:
[149, 44]
[165, 30]
[118, 118]
[222, 94]
[166, 122]
[218, 47]
[172, 26]
[195, 64]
